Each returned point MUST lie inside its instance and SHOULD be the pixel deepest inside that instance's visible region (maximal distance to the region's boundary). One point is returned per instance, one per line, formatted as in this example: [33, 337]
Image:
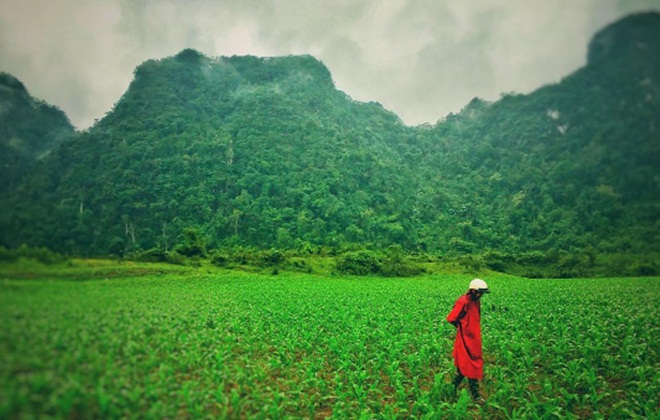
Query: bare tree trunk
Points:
[130, 230]
[166, 243]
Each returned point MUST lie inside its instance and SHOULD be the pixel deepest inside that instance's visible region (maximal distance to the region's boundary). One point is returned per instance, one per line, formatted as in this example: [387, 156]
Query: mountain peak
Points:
[7, 80]
[267, 69]
[239, 69]
[213, 85]
[11, 86]
[189, 55]
[633, 37]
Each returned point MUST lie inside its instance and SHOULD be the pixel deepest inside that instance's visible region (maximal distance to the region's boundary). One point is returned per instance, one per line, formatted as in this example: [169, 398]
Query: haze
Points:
[422, 59]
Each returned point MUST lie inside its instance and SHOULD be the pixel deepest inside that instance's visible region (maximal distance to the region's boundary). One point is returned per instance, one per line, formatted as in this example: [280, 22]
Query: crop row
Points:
[271, 346]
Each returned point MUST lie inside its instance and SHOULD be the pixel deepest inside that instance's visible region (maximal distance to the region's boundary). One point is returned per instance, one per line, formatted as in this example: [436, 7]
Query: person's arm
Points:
[456, 313]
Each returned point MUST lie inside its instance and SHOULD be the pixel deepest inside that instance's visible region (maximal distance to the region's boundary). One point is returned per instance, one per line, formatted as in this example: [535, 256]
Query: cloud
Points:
[420, 58]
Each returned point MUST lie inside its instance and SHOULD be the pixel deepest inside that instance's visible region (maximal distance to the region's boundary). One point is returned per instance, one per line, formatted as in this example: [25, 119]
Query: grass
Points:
[144, 340]
[86, 269]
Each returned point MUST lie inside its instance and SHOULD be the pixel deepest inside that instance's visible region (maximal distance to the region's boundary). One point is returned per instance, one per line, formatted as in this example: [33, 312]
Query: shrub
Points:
[152, 255]
[220, 259]
[40, 254]
[272, 258]
[360, 263]
[193, 245]
[572, 264]
[242, 256]
[7, 254]
[497, 261]
[174, 257]
[397, 264]
[642, 270]
[300, 264]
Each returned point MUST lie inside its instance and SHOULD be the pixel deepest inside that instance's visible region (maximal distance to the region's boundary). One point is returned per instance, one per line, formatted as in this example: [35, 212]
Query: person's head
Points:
[477, 288]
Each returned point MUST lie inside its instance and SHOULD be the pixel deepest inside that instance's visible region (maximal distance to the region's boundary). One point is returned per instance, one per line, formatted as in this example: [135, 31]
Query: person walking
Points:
[468, 357]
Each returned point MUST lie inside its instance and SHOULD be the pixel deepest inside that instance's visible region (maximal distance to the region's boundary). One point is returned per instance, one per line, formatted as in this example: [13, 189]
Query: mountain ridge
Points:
[267, 152]
[30, 129]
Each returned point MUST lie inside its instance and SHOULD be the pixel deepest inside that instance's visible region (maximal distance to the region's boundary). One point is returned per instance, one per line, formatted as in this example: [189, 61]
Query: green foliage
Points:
[264, 153]
[272, 258]
[296, 346]
[39, 254]
[192, 245]
[359, 263]
[85, 269]
[563, 264]
[29, 130]
[152, 255]
[232, 257]
[174, 257]
[220, 259]
[397, 264]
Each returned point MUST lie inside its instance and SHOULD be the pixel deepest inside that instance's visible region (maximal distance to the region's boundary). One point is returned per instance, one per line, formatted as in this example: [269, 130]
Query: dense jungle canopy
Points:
[266, 152]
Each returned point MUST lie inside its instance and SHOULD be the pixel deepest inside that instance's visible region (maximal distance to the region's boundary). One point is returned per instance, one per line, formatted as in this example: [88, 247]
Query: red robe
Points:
[468, 357]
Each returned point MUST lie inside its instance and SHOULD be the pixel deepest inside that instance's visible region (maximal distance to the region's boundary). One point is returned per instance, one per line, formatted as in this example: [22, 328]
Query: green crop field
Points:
[203, 344]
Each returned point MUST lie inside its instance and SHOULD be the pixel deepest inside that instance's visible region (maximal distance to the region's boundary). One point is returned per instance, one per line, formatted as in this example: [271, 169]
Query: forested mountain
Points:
[572, 165]
[29, 130]
[266, 152]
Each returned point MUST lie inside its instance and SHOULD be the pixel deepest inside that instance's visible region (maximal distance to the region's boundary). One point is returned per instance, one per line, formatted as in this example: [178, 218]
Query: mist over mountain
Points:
[265, 152]
[29, 129]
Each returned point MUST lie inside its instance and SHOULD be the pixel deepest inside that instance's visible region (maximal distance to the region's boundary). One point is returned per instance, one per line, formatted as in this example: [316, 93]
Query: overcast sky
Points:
[421, 59]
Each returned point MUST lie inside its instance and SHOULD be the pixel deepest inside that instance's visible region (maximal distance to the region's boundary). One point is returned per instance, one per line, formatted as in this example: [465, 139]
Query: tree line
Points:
[266, 153]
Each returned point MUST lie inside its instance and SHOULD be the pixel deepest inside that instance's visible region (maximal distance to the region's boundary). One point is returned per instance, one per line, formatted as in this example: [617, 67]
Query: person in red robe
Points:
[468, 357]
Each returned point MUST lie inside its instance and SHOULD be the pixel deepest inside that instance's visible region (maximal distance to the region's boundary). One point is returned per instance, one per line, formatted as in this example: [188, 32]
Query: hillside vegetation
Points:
[29, 130]
[267, 153]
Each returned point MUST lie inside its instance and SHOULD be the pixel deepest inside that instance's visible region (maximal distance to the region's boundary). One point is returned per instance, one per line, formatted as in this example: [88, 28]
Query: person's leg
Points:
[457, 380]
[474, 390]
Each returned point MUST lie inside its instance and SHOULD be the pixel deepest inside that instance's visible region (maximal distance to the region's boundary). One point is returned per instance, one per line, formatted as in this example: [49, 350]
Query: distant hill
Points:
[266, 152]
[572, 165]
[29, 130]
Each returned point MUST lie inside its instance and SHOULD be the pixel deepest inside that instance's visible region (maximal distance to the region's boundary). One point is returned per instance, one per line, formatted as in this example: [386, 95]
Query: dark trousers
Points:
[472, 383]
